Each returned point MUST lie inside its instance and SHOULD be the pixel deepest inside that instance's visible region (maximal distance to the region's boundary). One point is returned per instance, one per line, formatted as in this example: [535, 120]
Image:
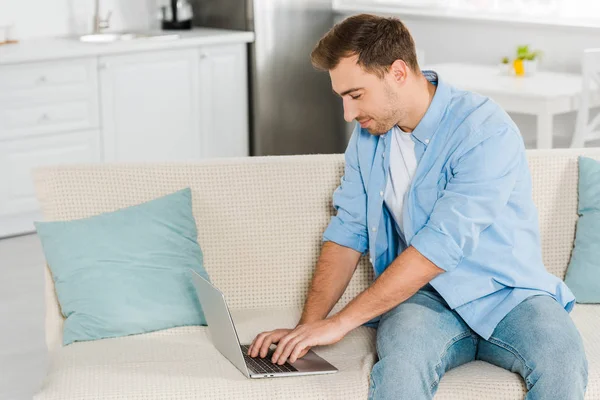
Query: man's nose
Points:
[350, 112]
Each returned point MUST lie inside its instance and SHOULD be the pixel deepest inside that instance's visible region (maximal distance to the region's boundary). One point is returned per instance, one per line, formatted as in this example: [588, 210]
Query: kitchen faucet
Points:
[99, 23]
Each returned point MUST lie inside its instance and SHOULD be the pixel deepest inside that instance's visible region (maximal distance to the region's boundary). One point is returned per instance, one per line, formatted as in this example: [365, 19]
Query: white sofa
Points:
[260, 222]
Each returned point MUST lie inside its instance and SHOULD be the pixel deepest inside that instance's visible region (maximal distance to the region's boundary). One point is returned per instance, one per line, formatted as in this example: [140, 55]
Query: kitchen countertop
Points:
[70, 47]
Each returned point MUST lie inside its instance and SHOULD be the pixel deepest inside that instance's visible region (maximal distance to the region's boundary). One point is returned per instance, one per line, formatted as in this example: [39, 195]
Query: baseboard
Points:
[19, 224]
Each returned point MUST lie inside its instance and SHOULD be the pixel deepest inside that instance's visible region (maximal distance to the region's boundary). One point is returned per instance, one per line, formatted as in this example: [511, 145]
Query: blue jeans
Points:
[422, 338]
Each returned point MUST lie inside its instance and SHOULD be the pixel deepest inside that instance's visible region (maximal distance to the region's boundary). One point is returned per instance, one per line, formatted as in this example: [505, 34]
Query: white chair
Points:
[587, 130]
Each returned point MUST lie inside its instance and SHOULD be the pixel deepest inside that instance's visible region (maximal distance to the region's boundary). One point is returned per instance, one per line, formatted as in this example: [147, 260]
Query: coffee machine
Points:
[176, 15]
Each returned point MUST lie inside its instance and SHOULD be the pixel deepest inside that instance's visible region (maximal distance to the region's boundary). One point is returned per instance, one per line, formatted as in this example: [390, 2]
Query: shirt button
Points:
[383, 155]
[381, 193]
[426, 140]
[374, 229]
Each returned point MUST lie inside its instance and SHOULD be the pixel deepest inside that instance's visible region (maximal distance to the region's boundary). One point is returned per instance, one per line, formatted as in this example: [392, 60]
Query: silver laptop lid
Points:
[220, 324]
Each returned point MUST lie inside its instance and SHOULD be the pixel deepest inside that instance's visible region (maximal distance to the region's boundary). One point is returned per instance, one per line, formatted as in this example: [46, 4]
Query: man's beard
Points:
[392, 117]
[379, 128]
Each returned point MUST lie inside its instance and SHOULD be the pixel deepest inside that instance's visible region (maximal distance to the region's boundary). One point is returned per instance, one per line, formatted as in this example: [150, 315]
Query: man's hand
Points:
[260, 345]
[295, 343]
[332, 275]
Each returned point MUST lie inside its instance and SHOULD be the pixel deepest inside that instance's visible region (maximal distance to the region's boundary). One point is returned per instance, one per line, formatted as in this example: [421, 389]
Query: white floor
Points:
[22, 350]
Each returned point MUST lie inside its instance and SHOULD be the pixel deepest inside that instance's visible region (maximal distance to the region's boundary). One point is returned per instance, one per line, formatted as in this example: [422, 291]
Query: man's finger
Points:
[304, 352]
[290, 346]
[299, 351]
[254, 342]
[251, 345]
[266, 344]
[274, 337]
[257, 343]
[282, 344]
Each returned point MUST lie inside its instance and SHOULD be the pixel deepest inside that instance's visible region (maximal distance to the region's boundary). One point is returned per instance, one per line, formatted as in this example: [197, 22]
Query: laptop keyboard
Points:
[264, 365]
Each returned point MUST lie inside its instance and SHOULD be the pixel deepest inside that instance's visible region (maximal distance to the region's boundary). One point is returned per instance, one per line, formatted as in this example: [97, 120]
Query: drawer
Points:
[39, 82]
[18, 157]
[39, 75]
[47, 118]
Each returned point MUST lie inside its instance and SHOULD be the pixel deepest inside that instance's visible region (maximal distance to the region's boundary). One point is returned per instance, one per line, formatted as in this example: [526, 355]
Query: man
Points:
[437, 189]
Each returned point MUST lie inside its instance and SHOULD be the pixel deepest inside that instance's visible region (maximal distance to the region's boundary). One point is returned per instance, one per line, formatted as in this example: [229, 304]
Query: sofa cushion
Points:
[127, 271]
[583, 276]
[181, 363]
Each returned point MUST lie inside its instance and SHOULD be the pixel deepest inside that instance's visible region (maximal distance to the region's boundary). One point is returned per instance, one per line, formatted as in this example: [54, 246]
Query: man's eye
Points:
[356, 97]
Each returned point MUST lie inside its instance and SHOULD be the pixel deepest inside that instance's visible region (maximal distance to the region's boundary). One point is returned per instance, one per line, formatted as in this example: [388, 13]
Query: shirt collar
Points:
[426, 128]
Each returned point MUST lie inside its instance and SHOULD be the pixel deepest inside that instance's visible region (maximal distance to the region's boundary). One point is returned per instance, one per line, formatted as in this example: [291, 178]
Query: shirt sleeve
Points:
[481, 184]
[349, 226]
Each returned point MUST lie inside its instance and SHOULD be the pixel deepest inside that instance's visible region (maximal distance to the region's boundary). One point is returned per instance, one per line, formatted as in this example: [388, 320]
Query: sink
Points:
[126, 36]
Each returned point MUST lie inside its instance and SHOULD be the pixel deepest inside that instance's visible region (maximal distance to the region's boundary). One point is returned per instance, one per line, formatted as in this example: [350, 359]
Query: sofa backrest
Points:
[260, 219]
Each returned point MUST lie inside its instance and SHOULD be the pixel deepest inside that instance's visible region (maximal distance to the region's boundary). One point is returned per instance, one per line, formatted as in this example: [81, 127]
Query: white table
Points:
[544, 94]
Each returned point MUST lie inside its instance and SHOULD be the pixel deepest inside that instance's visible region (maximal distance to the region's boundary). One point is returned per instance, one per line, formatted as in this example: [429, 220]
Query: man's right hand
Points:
[260, 345]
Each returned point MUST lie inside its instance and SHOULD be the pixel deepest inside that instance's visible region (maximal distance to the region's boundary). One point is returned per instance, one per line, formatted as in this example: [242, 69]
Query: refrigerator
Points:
[293, 109]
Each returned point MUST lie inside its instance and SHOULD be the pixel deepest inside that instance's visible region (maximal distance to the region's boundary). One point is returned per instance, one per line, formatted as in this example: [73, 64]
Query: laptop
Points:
[225, 338]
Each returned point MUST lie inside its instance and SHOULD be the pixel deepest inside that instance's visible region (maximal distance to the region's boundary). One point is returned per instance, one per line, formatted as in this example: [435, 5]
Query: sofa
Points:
[260, 223]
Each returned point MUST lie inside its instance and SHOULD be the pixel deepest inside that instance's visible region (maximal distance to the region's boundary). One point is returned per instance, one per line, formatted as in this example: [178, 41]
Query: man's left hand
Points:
[318, 333]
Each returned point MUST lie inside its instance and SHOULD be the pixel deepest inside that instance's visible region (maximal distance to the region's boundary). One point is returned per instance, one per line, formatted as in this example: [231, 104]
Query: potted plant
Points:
[504, 67]
[526, 61]
[531, 62]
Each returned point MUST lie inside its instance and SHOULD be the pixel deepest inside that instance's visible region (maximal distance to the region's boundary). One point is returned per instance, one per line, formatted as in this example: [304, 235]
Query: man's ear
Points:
[399, 71]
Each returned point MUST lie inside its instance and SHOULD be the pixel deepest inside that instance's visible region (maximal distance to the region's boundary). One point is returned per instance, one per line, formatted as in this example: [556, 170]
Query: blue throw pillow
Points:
[126, 272]
[583, 274]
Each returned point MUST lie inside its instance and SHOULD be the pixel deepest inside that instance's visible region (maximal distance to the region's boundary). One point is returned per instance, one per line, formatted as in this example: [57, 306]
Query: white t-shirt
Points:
[403, 163]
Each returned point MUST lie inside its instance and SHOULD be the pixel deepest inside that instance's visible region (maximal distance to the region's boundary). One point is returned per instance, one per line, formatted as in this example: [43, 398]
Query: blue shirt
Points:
[469, 208]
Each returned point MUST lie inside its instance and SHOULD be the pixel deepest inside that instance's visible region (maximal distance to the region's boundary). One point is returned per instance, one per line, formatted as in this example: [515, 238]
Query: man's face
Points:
[373, 101]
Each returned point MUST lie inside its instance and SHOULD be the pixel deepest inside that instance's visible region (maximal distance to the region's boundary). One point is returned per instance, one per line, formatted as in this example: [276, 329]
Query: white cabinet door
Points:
[48, 97]
[224, 100]
[18, 157]
[149, 105]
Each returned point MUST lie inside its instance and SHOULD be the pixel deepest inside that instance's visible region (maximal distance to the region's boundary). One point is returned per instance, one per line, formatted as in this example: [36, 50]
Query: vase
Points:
[519, 67]
[504, 69]
[530, 67]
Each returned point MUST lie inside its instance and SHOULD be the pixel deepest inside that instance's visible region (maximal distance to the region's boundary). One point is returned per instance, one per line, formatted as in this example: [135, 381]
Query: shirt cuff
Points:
[437, 247]
[338, 233]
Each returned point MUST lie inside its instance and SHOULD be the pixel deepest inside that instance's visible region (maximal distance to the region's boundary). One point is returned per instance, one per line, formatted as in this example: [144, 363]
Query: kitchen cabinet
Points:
[18, 204]
[149, 106]
[166, 104]
[223, 99]
[178, 105]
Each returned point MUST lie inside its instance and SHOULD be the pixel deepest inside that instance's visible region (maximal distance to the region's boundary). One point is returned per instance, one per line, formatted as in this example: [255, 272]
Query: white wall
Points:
[488, 42]
[42, 18]
[445, 40]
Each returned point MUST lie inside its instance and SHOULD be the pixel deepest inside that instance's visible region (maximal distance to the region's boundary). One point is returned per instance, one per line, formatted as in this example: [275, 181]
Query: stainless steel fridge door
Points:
[293, 109]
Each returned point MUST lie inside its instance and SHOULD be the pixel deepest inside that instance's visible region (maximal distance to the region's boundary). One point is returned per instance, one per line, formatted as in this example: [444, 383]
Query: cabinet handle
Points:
[42, 79]
[203, 55]
[102, 66]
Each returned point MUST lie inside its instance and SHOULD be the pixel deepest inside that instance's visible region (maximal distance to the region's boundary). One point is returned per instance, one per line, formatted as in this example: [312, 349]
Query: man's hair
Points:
[377, 41]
